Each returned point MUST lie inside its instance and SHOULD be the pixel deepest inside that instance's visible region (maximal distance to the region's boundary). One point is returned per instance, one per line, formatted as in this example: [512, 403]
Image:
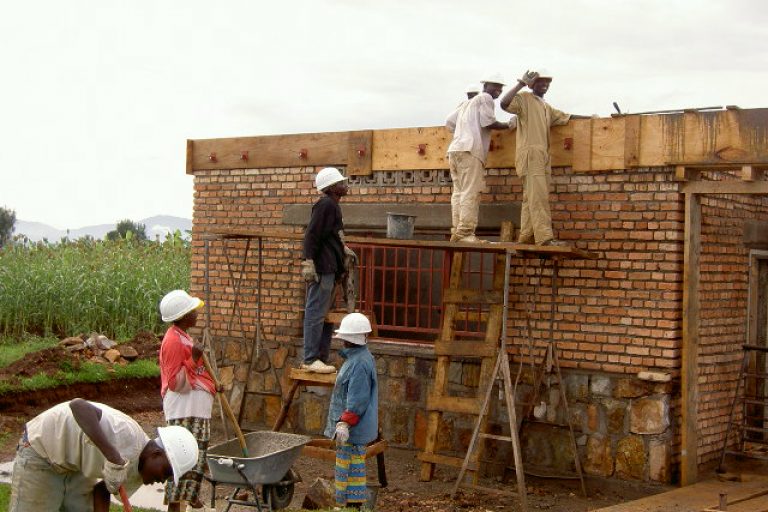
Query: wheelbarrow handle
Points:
[124, 498]
[225, 405]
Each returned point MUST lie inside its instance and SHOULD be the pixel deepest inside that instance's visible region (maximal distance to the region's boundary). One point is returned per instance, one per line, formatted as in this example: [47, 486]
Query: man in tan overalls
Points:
[532, 160]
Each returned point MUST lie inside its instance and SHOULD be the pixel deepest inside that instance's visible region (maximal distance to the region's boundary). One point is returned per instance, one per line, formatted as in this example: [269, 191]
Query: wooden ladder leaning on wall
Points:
[439, 401]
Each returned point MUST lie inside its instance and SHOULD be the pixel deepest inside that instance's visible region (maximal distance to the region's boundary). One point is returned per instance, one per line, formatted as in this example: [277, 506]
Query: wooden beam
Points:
[359, 153]
[749, 173]
[693, 138]
[689, 367]
[724, 187]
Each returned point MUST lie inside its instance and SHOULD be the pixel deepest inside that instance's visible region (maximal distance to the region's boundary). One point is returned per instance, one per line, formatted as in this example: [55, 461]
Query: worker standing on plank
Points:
[532, 159]
[353, 418]
[471, 125]
[73, 456]
[324, 263]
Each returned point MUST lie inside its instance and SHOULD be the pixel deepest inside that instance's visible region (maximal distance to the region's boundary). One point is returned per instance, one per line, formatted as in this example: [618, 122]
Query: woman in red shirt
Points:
[187, 390]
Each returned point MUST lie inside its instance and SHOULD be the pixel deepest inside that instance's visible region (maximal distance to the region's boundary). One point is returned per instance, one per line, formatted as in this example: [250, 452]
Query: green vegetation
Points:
[75, 287]
[128, 229]
[13, 349]
[7, 224]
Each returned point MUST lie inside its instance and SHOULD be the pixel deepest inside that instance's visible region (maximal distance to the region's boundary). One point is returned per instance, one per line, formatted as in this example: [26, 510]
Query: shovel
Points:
[225, 405]
[124, 499]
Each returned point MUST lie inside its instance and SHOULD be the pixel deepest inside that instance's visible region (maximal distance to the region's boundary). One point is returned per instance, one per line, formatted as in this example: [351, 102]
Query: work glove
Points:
[115, 475]
[349, 254]
[342, 433]
[308, 271]
[528, 78]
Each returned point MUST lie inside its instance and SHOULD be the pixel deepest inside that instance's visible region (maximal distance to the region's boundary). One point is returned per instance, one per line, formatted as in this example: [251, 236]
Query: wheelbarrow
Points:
[268, 465]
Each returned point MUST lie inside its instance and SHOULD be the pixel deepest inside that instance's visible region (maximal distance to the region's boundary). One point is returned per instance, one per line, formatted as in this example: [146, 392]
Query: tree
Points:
[124, 227]
[7, 225]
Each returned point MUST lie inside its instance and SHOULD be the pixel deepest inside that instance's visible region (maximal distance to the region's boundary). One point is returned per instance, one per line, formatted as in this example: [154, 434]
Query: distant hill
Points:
[159, 225]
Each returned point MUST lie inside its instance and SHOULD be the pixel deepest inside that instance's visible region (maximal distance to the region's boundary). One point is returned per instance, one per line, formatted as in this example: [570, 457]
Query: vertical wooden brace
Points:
[690, 369]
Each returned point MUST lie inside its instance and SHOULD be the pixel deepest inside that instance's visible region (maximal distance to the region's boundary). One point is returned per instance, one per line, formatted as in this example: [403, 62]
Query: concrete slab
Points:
[6, 469]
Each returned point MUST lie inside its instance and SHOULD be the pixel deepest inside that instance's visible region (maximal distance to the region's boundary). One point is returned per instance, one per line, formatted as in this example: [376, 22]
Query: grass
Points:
[76, 287]
[13, 349]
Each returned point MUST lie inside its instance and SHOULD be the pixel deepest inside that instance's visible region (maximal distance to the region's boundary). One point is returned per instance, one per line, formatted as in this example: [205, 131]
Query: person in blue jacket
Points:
[353, 418]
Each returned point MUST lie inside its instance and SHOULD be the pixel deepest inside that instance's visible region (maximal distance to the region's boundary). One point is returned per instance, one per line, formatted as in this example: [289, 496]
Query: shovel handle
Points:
[226, 407]
[124, 499]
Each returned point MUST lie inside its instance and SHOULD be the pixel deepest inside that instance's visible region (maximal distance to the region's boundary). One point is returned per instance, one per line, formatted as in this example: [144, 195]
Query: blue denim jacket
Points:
[356, 390]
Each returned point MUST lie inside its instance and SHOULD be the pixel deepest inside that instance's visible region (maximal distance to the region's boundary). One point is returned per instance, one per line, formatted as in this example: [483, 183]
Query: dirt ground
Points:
[141, 399]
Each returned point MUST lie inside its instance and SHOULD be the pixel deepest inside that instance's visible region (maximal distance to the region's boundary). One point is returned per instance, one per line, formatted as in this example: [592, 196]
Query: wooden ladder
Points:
[447, 347]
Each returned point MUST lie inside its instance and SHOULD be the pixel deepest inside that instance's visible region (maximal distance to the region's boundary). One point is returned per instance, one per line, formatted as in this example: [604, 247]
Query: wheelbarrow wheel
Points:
[280, 495]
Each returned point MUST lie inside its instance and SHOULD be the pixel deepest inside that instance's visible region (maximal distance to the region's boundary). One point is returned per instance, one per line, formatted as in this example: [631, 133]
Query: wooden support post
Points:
[690, 370]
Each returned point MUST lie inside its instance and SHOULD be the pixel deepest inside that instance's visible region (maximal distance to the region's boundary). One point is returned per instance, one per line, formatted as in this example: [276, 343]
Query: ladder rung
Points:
[756, 348]
[466, 348]
[471, 316]
[446, 460]
[458, 404]
[466, 296]
[754, 429]
[756, 375]
[494, 436]
[748, 454]
[753, 401]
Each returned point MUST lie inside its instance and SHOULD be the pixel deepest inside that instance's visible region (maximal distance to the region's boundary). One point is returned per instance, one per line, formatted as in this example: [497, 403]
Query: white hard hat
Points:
[327, 177]
[472, 88]
[354, 328]
[544, 74]
[495, 78]
[180, 447]
[178, 303]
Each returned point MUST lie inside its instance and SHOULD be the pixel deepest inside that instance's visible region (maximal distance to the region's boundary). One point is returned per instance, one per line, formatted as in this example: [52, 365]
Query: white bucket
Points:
[400, 225]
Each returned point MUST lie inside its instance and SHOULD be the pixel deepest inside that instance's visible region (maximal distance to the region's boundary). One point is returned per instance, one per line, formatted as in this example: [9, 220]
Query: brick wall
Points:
[614, 316]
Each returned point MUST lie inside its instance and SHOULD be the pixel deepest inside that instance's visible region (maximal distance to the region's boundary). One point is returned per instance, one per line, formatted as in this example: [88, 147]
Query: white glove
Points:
[115, 475]
[351, 254]
[512, 123]
[529, 77]
[342, 433]
[308, 271]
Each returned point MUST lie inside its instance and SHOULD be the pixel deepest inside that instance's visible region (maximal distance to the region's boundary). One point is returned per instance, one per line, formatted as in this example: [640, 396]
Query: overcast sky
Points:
[98, 97]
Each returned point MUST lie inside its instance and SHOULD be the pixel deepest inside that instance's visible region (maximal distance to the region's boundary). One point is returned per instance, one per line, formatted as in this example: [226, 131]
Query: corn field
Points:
[75, 287]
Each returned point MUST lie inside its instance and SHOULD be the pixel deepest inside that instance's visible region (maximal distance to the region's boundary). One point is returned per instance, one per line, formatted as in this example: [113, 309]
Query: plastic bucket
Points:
[400, 225]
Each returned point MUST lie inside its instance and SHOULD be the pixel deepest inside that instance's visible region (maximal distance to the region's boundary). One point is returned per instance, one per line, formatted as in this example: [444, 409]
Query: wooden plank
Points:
[693, 498]
[464, 296]
[398, 149]
[607, 144]
[318, 149]
[756, 504]
[632, 141]
[582, 145]
[693, 138]
[725, 187]
[689, 366]
[457, 404]
[312, 378]
[465, 348]
[359, 153]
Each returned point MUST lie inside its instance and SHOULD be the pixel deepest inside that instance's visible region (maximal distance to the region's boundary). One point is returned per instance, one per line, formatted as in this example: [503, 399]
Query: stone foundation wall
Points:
[622, 425]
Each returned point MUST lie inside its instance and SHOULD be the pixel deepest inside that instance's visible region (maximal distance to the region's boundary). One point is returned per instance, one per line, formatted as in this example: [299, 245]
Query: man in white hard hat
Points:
[471, 125]
[532, 160]
[73, 456]
[353, 417]
[187, 390]
[472, 90]
[324, 263]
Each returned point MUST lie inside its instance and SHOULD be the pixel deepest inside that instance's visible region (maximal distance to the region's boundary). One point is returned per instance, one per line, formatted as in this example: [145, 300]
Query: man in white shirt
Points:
[471, 124]
[74, 455]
